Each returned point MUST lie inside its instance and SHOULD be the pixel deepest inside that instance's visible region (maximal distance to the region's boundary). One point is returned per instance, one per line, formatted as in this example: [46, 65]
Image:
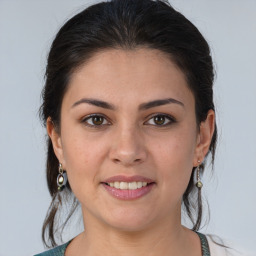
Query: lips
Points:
[128, 188]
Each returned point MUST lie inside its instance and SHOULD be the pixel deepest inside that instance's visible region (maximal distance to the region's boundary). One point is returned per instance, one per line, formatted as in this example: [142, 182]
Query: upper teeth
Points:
[127, 185]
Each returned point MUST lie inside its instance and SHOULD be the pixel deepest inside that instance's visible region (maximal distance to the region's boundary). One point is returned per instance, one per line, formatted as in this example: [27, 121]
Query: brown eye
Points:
[95, 120]
[161, 120]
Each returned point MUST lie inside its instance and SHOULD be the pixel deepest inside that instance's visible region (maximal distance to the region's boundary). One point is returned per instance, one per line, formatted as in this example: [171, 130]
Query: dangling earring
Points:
[199, 183]
[61, 178]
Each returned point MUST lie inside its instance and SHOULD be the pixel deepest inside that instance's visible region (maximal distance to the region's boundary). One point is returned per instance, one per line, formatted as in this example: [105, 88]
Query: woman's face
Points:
[129, 138]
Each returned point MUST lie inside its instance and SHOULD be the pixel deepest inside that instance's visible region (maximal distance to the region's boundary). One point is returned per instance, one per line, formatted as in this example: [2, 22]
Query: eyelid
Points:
[84, 119]
[169, 117]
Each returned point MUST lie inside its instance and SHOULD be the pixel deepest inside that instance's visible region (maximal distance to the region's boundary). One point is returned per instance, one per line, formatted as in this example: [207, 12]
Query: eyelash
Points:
[168, 117]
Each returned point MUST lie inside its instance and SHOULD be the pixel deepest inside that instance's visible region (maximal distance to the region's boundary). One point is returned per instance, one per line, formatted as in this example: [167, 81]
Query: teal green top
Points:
[60, 250]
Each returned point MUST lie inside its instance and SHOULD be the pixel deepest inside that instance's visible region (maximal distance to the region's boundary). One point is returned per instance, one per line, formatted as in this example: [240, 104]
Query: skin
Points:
[130, 142]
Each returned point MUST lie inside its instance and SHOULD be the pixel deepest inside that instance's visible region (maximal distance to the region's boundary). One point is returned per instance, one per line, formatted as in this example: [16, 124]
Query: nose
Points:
[128, 148]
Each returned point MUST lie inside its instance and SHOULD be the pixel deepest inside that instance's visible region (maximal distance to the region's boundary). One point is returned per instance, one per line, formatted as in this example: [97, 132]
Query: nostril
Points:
[127, 161]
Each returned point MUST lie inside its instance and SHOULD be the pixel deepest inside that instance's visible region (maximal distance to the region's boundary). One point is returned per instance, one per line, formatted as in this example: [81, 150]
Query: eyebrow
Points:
[95, 102]
[143, 106]
[155, 103]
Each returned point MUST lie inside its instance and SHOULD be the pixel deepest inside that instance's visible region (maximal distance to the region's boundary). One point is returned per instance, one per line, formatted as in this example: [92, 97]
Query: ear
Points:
[204, 137]
[56, 141]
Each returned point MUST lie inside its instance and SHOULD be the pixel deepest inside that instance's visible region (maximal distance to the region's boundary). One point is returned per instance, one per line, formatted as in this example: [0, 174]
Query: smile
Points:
[127, 185]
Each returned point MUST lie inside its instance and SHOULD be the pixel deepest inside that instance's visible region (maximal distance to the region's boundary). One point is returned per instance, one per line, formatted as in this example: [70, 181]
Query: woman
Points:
[128, 106]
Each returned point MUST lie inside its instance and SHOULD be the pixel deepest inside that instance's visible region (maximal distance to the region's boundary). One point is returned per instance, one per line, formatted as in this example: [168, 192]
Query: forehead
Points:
[117, 73]
[125, 62]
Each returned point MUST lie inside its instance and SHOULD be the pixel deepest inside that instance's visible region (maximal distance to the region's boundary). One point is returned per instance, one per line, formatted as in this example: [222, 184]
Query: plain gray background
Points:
[26, 31]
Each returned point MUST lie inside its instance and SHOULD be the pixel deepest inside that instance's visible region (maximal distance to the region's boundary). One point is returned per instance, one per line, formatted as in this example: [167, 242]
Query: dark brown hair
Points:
[124, 24]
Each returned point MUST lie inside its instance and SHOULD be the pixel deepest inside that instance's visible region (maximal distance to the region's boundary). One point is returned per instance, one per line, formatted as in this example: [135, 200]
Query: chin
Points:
[128, 220]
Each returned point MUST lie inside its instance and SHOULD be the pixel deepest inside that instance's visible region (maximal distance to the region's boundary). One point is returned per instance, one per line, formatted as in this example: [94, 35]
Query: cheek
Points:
[83, 156]
[177, 149]
[79, 147]
[175, 160]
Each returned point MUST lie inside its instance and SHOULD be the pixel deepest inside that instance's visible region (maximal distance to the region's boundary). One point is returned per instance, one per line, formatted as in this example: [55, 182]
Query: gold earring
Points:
[61, 178]
[199, 183]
